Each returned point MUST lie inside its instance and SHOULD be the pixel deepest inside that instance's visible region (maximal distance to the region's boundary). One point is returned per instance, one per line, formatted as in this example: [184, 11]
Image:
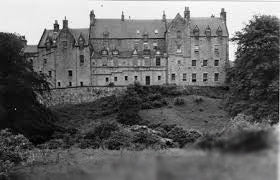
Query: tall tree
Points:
[19, 88]
[254, 79]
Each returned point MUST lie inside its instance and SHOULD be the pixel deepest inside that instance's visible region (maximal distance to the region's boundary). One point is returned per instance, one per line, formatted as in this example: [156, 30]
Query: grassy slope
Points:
[205, 116]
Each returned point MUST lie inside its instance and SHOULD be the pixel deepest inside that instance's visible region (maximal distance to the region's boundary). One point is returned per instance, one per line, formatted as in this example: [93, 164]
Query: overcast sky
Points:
[30, 17]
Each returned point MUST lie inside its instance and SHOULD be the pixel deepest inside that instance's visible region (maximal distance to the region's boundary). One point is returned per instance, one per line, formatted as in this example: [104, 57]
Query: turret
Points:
[223, 15]
[55, 26]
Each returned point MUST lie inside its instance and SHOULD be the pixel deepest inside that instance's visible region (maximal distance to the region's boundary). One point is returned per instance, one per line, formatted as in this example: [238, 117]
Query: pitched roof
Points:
[212, 22]
[30, 49]
[75, 32]
[128, 28]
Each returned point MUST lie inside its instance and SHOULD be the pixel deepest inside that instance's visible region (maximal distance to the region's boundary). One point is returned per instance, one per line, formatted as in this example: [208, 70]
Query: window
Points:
[125, 78]
[107, 79]
[145, 36]
[157, 61]
[135, 78]
[50, 73]
[64, 44]
[58, 84]
[204, 63]
[159, 78]
[31, 61]
[82, 83]
[179, 34]
[178, 62]
[216, 63]
[45, 61]
[82, 60]
[70, 84]
[138, 32]
[179, 50]
[70, 73]
[193, 77]
[216, 50]
[156, 31]
[193, 62]
[115, 78]
[184, 77]
[146, 46]
[205, 77]
[216, 77]
[196, 49]
[173, 77]
[155, 45]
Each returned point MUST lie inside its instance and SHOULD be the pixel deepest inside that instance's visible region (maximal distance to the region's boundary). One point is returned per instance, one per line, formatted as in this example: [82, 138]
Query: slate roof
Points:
[128, 28]
[75, 32]
[30, 49]
[213, 22]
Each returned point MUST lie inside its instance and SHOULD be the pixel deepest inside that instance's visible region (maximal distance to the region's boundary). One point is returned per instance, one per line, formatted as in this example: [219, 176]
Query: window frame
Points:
[173, 77]
[193, 63]
[158, 61]
[205, 78]
[216, 77]
[194, 77]
[70, 73]
[184, 77]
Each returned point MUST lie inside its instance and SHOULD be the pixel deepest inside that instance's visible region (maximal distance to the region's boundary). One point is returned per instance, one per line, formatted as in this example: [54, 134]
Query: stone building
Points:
[184, 51]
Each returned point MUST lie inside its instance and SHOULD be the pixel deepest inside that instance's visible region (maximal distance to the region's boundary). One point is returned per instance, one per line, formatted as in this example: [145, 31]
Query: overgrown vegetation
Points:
[19, 88]
[254, 79]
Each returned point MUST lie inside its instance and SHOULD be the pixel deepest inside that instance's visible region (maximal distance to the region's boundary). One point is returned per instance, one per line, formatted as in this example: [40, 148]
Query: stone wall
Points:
[78, 95]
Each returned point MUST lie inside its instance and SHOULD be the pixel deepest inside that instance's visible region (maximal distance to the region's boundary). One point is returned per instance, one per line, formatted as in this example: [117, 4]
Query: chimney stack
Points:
[65, 23]
[55, 26]
[187, 13]
[122, 17]
[163, 17]
[223, 15]
[92, 18]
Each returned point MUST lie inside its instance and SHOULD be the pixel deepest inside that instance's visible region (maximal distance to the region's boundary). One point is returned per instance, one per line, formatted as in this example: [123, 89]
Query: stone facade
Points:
[184, 51]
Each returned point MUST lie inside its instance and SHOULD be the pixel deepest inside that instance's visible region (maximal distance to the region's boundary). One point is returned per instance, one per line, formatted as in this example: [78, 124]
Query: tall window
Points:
[157, 61]
[125, 78]
[193, 77]
[82, 83]
[193, 62]
[82, 59]
[196, 49]
[159, 78]
[50, 73]
[70, 73]
[205, 77]
[70, 84]
[205, 62]
[58, 84]
[216, 77]
[216, 50]
[216, 63]
[173, 77]
[107, 79]
[179, 50]
[184, 77]
[64, 44]
[115, 78]
[179, 34]
[135, 78]
[45, 61]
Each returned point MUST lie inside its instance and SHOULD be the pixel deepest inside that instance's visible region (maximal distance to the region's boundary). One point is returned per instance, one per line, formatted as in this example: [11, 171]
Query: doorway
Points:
[148, 81]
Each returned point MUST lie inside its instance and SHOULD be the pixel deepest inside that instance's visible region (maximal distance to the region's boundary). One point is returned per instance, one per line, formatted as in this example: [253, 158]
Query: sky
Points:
[31, 17]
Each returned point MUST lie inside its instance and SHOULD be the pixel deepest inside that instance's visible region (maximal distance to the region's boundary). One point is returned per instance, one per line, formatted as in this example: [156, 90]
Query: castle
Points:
[184, 51]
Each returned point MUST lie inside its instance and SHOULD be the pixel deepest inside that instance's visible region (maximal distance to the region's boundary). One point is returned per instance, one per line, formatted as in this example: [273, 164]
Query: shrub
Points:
[119, 140]
[182, 136]
[179, 101]
[111, 84]
[102, 131]
[153, 97]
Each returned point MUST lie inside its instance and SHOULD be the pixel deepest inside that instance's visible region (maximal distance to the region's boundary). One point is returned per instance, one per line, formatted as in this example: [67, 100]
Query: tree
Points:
[19, 88]
[254, 79]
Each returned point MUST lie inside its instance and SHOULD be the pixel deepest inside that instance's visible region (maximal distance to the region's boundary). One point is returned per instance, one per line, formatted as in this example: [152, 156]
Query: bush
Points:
[111, 84]
[182, 136]
[179, 101]
[119, 140]
[102, 131]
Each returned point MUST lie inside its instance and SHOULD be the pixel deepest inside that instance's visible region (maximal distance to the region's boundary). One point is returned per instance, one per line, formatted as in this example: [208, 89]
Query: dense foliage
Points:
[254, 79]
[19, 87]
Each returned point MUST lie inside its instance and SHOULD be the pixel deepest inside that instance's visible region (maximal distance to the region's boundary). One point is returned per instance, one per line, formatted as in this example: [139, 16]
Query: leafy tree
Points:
[254, 79]
[19, 88]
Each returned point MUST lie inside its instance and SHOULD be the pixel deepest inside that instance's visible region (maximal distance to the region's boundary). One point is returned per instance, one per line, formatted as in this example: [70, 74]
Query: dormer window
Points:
[115, 52]
[146, 46]
[81, 42]
[208, 31]
[48, 43]
[104, 52]
[64, 44]
[196, 31]
[219, 31]
[137, 32]
[106, 34]
[135, 53]
[156, 31]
